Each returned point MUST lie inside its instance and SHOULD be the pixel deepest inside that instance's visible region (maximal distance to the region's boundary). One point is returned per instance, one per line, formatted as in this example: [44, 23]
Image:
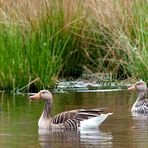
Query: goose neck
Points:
[47, 109]
[142, 95]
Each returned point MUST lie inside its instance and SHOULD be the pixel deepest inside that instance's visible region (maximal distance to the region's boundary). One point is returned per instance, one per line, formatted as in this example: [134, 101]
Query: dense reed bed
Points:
[42, 40]
[119, 32]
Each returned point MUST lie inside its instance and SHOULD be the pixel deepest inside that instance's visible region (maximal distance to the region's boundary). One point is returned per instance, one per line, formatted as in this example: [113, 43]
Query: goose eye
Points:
[139, 84]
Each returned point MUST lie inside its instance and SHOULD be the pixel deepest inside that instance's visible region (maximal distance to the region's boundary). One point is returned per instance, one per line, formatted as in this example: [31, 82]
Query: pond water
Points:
[18, 122]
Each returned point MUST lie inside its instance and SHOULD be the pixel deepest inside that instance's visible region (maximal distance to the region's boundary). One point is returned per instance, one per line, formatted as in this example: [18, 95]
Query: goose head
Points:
[140, 86]
[43, 95]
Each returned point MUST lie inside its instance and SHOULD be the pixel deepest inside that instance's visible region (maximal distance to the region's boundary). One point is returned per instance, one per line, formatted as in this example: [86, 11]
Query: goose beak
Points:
[35, 97]
[132, 87]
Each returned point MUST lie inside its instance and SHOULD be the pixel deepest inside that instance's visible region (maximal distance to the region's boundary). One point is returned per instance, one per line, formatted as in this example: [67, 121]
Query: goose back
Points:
[73, 118]
[79, 115]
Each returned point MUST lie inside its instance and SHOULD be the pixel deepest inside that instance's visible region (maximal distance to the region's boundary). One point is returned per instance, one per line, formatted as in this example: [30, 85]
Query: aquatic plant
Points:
[118, 33]
[43, 40]
[36, 43]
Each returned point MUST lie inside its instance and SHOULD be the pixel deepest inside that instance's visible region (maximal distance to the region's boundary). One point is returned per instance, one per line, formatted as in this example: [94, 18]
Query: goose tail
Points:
[95, 122]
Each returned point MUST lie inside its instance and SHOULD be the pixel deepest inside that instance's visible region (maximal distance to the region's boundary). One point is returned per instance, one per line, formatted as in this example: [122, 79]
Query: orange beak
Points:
[35, 97]
[132, 87]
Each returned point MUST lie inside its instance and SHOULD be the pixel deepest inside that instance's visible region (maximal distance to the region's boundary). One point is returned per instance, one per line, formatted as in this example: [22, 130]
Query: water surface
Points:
[18, 122]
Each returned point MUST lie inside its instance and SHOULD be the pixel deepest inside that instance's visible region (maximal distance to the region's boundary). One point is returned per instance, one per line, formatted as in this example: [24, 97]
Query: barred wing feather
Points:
[76, 115]
[142, 106]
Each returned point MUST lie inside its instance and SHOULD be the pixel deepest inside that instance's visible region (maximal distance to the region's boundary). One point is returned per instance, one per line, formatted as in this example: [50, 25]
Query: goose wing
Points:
[142, 106]
[76, 115]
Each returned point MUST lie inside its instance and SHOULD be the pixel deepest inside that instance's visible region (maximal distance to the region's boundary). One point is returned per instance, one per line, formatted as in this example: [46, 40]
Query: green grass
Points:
[139, 59]
[36, 53]
[44, 40]
[118, 38]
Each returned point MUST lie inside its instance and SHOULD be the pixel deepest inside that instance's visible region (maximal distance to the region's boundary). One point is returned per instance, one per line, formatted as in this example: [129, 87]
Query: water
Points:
[18, 122]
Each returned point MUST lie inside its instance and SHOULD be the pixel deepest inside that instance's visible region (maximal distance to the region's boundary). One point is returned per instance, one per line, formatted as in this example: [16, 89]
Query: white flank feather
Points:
[93, 122]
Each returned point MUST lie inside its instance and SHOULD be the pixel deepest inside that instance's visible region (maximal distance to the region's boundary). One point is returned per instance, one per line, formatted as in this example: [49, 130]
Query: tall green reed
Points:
[44, 39]
[37, 50]
[139, 61]
[116, 29]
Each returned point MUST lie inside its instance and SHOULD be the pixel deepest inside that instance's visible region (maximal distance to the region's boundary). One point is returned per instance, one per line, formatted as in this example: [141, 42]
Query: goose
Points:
[141, 104]
[75, 119]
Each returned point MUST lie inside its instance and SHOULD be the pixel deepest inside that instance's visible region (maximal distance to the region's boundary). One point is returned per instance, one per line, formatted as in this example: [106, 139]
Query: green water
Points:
[18, 122]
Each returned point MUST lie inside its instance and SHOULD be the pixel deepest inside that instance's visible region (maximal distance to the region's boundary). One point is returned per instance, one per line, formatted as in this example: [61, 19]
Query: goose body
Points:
[74, 119]
[141, 104]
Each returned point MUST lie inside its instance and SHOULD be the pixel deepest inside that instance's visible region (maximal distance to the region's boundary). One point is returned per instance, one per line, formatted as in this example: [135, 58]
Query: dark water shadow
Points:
[74, 139]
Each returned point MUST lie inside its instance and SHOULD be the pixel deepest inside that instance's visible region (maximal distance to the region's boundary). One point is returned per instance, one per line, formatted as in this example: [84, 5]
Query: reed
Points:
[118, 33]
[37, 44]
[139, 60]
[42, 40]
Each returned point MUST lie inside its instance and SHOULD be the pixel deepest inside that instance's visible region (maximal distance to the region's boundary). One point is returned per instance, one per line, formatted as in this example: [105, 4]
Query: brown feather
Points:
[78, 115]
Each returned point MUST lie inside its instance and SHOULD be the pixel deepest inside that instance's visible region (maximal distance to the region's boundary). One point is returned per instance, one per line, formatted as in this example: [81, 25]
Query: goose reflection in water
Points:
[74, 139]
[139, 130]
